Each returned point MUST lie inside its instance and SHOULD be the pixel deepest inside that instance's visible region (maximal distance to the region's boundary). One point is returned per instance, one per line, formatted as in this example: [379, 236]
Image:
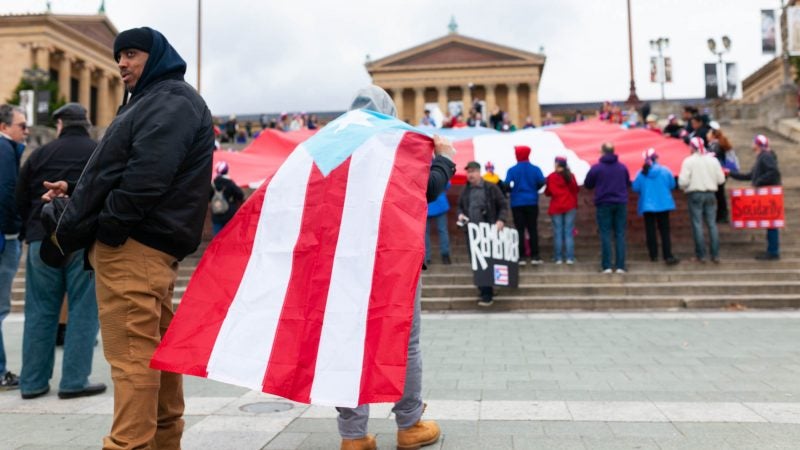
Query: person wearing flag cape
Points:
[412, 432]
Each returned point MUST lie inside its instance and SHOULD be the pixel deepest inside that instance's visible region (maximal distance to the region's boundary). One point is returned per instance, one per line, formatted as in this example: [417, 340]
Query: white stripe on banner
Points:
[545, 146]
[244, 344]
[340, 359]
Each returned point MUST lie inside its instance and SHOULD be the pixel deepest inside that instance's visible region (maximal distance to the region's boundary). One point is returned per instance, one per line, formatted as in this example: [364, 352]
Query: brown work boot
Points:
[365, 443]
[419, 435]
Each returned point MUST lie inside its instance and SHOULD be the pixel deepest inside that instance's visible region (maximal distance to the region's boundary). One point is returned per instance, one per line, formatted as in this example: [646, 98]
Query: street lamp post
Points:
[633, 99]
[726, 46]
[36, 77]
[661, 70]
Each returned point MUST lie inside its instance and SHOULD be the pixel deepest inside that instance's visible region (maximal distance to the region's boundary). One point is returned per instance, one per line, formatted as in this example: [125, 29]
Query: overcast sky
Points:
[293, 55]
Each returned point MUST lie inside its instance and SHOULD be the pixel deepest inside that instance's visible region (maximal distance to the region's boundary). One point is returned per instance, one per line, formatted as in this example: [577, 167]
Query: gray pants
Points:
[408, 410]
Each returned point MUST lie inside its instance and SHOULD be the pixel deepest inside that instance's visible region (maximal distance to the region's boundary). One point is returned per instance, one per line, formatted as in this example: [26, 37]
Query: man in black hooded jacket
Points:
[139, 207]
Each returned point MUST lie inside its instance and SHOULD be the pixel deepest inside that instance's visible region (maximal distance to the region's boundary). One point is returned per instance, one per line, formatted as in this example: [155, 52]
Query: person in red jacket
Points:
[562, 188]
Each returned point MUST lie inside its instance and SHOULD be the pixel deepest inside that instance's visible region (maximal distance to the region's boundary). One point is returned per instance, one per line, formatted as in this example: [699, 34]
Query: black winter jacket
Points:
[765, 171]
[9, 170]
[62, 159]
[497, 208]
[148, 178]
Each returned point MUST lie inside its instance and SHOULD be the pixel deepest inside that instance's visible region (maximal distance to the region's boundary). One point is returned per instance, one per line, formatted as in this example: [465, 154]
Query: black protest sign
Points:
[494, 255]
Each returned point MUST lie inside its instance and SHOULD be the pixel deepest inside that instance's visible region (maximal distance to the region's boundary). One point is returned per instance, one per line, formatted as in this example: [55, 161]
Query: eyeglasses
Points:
[22, 125]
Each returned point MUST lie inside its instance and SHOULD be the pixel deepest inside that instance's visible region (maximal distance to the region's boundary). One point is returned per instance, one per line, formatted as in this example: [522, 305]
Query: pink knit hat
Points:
[698, 144]
[761, 141]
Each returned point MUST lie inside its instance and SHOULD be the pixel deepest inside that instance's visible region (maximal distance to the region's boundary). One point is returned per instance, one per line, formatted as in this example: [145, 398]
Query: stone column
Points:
[442, 99]
[466, 99]
[43, 58]
[65, 77]
[491, 101]
[533, 104]
[513, 106]
[85, 87]
[397, 97]
[103, 101]
[419, 104]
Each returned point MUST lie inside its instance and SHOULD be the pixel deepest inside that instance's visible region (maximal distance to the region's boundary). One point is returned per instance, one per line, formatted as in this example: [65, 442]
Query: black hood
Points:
[609, 158]
[163, 61]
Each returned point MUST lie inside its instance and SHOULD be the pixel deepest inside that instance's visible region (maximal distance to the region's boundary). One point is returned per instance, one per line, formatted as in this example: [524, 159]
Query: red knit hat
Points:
[522, 152]
[761, 141]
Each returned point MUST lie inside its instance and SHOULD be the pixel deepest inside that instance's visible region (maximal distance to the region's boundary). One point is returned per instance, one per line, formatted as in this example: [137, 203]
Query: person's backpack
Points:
[219, 204]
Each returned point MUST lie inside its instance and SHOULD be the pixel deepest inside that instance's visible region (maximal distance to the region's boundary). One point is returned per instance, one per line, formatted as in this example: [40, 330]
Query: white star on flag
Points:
[359, 118]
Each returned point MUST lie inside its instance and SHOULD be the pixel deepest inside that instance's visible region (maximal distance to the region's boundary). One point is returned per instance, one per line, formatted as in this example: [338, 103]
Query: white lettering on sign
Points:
[486, 242]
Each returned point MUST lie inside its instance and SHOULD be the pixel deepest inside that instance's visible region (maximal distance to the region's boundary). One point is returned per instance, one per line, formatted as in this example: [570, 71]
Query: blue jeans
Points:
[45, 287]
[444, 237]
[703, 208]
[612, 218]
[563, 235]
[773, 244]
[9, 261]
[408, 410]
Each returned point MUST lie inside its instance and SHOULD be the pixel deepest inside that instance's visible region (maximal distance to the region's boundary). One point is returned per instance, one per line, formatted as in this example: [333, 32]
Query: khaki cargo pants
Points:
[134, 297]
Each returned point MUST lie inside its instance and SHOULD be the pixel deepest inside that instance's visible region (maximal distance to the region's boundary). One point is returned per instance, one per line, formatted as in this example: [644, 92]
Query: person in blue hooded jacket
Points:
[654, 184]
[523, 181]
[437, 216]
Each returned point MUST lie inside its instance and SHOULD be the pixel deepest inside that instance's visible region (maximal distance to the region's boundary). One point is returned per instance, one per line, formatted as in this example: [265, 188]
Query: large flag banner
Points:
[760, 207]
[308, 293]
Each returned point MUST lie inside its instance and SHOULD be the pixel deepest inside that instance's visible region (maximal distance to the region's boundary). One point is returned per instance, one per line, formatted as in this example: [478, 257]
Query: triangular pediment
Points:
[455, 50]
[97, 28]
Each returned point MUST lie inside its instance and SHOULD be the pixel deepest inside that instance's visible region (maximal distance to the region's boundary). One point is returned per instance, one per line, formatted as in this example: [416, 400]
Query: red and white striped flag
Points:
[308, 293]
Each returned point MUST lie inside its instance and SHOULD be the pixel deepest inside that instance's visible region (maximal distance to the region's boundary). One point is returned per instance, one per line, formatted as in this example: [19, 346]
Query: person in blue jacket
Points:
[654, 184]
[437, 216]
[523, 182]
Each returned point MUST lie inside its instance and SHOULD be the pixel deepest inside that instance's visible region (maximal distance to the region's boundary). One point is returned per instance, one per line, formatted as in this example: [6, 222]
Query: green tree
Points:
[56, 101]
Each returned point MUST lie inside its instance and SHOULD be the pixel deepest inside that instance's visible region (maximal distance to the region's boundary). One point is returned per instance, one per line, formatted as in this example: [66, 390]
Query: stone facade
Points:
[460, 68]
[75, 50]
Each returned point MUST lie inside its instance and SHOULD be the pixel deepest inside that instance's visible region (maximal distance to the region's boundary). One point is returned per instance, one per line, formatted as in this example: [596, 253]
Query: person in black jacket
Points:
[481, 201]
[140, 206]
[230, 192]
[45, 286]
[412, 432]
[764, 173]
[13, 132]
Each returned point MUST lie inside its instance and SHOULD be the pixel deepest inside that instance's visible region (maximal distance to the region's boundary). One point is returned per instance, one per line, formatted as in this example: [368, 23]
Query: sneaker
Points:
[446, 260]
[606, 271]
[365, 443]
[521, 262]
[558, 261]
[570, 262]
[767, 257]
[715, 259]
[621, 271]
[88, 391]
[484, 303]
[536, 261]
[32, 395]
[671, 261]
[9, 381]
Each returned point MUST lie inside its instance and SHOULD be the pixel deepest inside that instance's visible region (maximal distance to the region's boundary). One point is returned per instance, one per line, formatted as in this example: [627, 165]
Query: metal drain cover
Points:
[266, 407]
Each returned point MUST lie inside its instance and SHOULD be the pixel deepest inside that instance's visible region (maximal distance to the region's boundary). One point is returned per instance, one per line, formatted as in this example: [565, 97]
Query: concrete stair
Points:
[738, 281]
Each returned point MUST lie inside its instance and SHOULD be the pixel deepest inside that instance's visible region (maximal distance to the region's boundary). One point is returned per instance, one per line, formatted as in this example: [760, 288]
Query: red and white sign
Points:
[760, 207]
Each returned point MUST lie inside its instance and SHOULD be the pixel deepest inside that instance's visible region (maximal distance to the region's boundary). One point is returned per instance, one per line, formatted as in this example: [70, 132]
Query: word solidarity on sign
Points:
[760, 207]
[494, 255]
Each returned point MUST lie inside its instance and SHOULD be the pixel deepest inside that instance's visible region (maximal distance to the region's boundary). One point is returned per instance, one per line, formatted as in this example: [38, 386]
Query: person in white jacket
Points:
[700, 177]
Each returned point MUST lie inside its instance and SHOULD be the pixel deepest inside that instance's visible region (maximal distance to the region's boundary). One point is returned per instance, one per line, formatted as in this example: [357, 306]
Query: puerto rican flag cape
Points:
[308, 293]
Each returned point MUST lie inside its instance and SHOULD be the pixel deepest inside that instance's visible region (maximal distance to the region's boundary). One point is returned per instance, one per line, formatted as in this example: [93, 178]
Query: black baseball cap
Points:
[473, 165]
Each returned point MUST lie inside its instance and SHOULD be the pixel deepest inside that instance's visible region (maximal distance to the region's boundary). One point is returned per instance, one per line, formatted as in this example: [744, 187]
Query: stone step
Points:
[622, 289]
[586, 266]
[599, 303]
[653, 276]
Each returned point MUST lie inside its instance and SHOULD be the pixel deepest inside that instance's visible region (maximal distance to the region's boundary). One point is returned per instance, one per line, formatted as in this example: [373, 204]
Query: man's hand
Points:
[443, 147]
[499, 225]
[54, 189]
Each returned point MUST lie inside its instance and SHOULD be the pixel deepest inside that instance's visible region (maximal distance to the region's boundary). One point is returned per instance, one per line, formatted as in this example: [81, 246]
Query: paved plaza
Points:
[666, 380]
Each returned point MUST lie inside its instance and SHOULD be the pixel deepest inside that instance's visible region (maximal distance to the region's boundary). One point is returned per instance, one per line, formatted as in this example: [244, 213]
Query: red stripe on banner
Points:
[400, 251]
[187, 344]
[290, 371]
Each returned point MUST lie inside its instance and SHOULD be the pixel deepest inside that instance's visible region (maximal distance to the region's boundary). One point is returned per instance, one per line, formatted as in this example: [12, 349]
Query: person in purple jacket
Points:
[610, 180]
